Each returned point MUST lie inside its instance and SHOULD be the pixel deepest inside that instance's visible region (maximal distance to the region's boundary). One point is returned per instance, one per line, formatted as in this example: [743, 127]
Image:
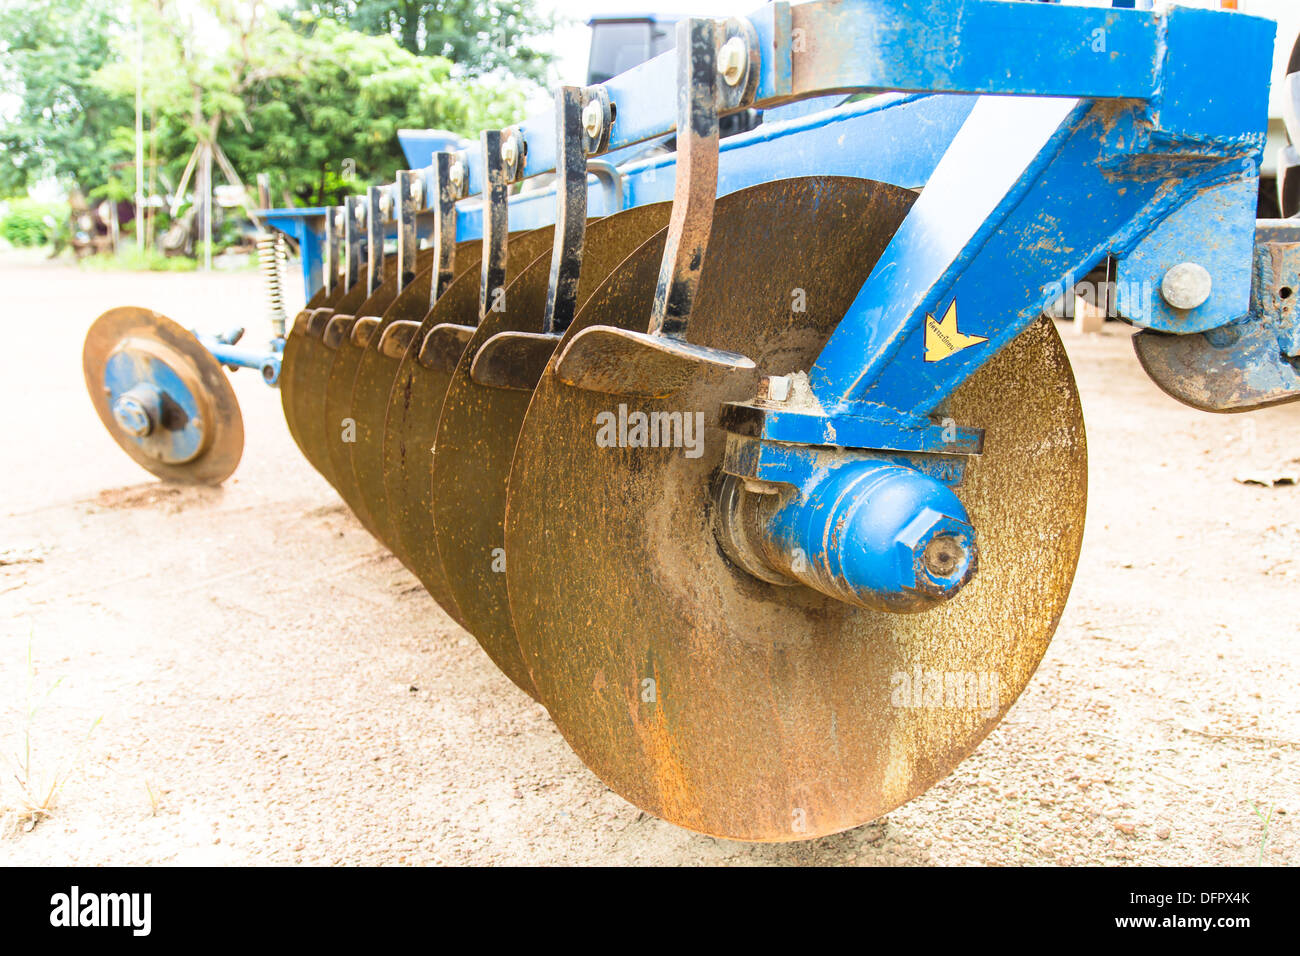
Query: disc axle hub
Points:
[138, 411]
[872, 533]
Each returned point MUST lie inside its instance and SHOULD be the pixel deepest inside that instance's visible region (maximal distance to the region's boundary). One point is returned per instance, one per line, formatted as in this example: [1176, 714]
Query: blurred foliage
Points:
[480, 36]
[114, 189]
[27, 223]
[58, 120]
[305, 102]
[298, 105]
[131, 257]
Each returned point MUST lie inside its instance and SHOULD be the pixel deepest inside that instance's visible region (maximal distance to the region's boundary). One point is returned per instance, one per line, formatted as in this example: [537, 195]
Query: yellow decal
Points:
[942, 338]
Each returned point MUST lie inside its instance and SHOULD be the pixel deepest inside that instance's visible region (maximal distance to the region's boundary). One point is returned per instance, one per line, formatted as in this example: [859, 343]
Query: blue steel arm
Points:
[954, 46]
[910, 133]
[1184, 111]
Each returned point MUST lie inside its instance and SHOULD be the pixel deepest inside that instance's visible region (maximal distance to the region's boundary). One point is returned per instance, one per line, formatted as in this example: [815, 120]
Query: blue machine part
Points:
[1096, 132]
[872, 533]
[266, 362]
[909, 133]
[419, 145]
[153, 406]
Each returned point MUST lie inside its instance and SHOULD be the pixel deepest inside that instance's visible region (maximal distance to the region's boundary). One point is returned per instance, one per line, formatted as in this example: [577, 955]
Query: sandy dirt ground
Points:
[244, 675]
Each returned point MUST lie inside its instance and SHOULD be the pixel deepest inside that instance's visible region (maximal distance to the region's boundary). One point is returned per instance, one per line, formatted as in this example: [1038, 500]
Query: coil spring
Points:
[271, 258]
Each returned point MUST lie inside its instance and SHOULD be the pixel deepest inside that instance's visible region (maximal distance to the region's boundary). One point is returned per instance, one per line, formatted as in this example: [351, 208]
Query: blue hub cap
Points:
[152, 404]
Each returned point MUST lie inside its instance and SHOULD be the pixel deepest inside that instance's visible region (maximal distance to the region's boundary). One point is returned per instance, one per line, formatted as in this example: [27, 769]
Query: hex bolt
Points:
[138, 411]
[778, 388]
[132, 417]
[1186, 286]
[732, 60]
[940, 550]
[593, 119]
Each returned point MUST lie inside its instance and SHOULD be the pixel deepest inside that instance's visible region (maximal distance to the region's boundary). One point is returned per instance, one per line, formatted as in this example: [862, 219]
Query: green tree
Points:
[351, 95]
[55, 120]
[478, 36]
[295, 105]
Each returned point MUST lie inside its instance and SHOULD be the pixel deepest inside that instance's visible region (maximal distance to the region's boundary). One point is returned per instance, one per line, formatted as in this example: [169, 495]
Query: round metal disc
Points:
[316, 360]
[290, 360]
[477, 433]
[376, 373]
[411, 424]
[744, 709]
[296, 364]
[339, 385]
[152, 345]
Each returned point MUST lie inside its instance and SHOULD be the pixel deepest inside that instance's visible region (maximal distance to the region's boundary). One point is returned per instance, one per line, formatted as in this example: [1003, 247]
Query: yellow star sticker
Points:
[942, 338]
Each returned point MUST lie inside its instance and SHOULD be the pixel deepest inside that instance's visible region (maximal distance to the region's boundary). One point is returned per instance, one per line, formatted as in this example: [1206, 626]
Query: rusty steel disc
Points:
[195, 432]
[373, 384]
[476, 441]
[411, 424]
[315, 360]
[750, 710]
[290, 360]
[343, 427]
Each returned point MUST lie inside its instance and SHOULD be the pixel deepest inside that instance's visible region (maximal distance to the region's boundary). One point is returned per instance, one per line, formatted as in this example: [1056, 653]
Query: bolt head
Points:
[417, 190]
[385, 203]
[510, 150]
[1187, 285]
[777, 388]
[593, 119]
[132, 416]
[458, 176]
[732, 59]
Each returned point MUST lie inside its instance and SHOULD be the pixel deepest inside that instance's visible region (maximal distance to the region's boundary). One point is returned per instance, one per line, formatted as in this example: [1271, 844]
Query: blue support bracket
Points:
[1215, 231]
[265, 361]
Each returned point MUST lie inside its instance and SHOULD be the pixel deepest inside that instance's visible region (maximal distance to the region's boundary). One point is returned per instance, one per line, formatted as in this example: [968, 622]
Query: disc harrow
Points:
[758, 463]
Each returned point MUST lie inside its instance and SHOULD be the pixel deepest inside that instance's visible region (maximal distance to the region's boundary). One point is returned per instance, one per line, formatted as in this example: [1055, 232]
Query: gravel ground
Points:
[244, 675]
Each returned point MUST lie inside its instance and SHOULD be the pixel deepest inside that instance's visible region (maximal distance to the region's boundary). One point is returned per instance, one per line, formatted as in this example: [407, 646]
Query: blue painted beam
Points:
[941, 46]
[909, 134]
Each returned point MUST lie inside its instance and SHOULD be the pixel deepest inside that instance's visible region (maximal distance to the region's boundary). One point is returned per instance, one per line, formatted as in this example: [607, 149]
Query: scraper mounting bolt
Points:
[731, 60]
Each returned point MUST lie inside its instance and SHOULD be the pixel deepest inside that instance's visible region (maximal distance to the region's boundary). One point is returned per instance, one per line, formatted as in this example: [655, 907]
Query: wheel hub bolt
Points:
[138, 410]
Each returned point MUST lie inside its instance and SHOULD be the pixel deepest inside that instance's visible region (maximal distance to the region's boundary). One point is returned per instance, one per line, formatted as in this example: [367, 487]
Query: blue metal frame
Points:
[909, 133]
[1166, 142]
[1047, 137]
